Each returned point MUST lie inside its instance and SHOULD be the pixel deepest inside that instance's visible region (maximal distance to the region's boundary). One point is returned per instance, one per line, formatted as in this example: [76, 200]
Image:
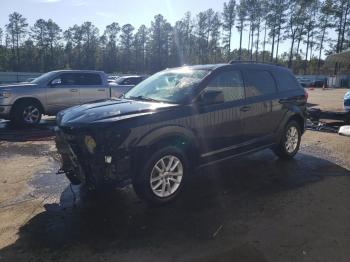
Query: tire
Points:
[27, 113]
[167, 184]
[290, 141]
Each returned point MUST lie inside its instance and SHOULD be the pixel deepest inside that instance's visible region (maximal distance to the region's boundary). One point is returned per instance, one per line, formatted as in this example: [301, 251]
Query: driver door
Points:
[63, 92]
[219, 126]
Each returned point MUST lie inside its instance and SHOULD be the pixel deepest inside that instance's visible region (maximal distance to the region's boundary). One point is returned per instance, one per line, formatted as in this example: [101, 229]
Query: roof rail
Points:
[252, 61]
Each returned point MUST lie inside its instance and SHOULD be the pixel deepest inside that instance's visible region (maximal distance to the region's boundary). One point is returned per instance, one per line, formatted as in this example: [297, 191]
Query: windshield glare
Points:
[171, 86]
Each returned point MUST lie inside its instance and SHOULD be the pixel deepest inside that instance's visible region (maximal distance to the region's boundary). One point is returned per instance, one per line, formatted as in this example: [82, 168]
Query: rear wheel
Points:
[27, 114]
[162, 177]
[290, 141]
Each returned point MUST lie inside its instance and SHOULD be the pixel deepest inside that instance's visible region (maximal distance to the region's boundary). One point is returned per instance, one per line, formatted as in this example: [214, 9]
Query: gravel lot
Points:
[328, 99]
[256, 208]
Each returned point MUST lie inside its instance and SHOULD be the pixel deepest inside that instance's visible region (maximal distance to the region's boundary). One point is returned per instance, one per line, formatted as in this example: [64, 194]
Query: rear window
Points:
[286, 81]
[259, 83]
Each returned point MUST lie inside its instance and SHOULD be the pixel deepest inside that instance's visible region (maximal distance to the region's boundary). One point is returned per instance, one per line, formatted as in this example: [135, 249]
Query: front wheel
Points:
[290, 141]
[27, 114]
[162, 177]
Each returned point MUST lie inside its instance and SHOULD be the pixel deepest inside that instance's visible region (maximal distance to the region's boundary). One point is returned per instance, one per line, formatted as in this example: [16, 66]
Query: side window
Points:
[133, 81]
[137, 80]
[88, 79]
[230, 83]
[66, 79]
[286, 81]
[259, 83]
[127, 81]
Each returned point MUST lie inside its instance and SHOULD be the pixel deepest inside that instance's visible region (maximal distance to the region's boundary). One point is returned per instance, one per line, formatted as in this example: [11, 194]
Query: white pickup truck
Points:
[25, 103]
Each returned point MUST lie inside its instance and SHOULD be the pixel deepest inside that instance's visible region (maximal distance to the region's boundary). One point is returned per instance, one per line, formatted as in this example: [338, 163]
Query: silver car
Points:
[124, 83]
[25, 103]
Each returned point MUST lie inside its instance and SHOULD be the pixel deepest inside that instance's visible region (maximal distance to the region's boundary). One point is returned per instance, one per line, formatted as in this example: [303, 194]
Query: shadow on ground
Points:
[222, 202]
[311, 105]
[44, 131]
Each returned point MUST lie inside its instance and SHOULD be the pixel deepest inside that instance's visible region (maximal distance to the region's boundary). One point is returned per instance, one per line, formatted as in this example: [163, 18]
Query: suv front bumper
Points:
[95, 169]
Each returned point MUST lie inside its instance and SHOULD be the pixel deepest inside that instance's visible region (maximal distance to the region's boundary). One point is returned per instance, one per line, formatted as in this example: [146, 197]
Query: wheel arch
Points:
[27, 99]
[299, 119]
[296, 115]
[177, 136]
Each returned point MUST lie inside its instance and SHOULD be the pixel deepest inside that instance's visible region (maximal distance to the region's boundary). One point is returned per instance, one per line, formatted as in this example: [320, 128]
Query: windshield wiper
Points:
[143, 98]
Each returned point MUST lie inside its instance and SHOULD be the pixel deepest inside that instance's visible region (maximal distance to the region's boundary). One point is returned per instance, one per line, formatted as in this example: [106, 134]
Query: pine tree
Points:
[228, 21]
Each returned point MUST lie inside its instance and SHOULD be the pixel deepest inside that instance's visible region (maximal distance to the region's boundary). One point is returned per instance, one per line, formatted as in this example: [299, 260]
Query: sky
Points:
[66, 13]
[103, 12]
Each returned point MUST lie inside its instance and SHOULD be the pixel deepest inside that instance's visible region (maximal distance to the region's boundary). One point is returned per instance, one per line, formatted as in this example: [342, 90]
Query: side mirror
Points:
[211, 97]
[56, 82]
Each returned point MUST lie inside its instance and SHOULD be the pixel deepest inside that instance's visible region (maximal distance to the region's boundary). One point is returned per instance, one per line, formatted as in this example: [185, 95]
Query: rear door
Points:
[62, 92]
[261, 90]
[290, 94]
[92, 88]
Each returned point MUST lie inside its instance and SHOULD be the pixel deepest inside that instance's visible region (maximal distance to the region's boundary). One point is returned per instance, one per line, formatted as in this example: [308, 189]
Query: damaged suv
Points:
[179, 120]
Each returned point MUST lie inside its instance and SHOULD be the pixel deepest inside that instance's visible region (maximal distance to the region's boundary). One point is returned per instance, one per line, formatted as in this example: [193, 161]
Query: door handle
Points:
[101, 90]
[74, 90]
[245, 108]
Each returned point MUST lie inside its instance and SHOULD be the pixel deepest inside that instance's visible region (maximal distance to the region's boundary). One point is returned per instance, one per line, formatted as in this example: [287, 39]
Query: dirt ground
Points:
[256, 208]
[328, 99]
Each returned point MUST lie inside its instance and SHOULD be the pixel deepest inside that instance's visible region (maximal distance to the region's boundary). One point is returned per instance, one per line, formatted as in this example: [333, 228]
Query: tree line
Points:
[310, 29]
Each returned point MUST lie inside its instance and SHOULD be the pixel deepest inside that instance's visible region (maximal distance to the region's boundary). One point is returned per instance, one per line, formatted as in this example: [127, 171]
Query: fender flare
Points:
[27, 98]
[293, 112]
[164, 132]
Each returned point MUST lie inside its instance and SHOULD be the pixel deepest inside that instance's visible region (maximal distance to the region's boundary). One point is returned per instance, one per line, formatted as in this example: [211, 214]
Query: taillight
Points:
[306, 94]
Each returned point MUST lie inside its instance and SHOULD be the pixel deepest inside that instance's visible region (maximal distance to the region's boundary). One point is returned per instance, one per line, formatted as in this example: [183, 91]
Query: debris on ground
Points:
[217, 231]
[326, 121]
[315, 114]
[344, 131]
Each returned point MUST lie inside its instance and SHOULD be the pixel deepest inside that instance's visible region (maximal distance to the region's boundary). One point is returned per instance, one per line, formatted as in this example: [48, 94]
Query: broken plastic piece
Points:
[344, 131]
[108, 159]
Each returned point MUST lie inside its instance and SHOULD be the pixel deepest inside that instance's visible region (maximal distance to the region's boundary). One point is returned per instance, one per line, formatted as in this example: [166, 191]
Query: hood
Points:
[107, 111]
[16, 85]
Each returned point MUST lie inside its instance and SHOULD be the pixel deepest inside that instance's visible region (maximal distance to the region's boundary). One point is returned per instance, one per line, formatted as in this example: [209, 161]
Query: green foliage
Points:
[305, 26]
[228, 21]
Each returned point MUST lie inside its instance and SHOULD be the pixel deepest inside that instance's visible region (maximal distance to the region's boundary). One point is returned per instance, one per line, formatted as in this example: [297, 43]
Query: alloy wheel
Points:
[292, 139]
[166, 176]
[31, 115]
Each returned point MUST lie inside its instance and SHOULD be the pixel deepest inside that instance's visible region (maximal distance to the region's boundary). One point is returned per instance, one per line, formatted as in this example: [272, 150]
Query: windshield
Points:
[170, 86]
[43, 78]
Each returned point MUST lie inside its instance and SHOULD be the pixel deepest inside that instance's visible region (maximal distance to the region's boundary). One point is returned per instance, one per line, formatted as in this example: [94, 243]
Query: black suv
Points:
[178, 120]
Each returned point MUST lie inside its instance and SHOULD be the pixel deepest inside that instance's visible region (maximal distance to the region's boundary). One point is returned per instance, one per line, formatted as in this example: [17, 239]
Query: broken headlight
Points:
[90, 144]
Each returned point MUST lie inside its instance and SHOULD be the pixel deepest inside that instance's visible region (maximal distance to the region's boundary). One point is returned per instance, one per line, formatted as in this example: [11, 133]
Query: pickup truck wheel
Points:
[163, 176]
[27, 114]
[290, 141]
